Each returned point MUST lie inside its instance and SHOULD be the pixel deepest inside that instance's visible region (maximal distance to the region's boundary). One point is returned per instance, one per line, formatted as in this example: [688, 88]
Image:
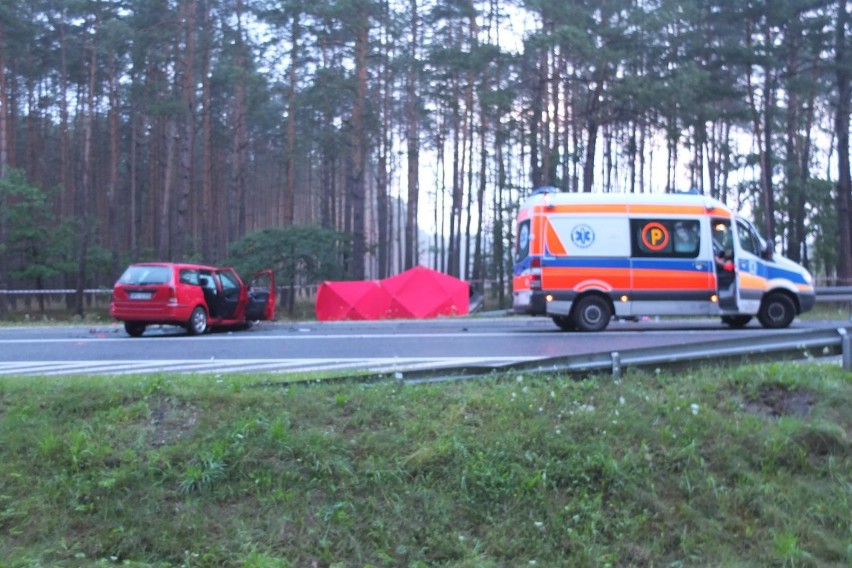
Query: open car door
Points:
[261, 297]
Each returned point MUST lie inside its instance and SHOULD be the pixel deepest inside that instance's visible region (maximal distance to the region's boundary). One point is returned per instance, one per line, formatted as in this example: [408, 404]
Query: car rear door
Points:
[232, 295]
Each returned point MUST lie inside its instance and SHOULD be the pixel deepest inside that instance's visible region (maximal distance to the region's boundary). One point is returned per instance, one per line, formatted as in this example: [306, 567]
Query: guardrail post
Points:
[846, 350]
[616, 364]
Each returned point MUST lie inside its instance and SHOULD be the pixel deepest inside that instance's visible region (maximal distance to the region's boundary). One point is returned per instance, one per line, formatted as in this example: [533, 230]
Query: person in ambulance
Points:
[723, 250]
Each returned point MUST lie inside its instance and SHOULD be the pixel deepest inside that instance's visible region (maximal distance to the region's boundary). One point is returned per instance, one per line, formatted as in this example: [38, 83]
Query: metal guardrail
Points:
[787, 346]
[827, 293]
[834, 293]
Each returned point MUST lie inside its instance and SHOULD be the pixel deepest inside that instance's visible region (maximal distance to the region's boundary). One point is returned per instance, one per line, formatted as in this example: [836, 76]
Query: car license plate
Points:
[139, 295]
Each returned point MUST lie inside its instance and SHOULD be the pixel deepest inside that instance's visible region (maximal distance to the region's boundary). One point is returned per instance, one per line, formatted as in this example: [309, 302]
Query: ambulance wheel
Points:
[736, 321]
[565, 323]
[776, 311]
[592, 313]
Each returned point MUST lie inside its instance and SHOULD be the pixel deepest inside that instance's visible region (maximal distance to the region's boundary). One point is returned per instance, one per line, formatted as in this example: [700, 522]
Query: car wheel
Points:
[592, 313]
[565, 323]
[134, 329]
[197, 321]
[736, 321]
[776, 311]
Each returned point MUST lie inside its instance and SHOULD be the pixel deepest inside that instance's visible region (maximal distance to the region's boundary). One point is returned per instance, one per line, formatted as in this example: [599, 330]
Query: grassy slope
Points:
[748, 467]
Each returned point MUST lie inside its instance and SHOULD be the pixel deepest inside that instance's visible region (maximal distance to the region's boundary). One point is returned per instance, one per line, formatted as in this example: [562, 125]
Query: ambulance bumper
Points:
[529, 303]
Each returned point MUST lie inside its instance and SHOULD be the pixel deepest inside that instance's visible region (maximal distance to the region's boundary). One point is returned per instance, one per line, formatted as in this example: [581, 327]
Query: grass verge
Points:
[750, 467]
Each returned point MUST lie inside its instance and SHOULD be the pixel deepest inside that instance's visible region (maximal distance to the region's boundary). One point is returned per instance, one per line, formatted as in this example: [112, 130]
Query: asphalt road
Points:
[384, 346]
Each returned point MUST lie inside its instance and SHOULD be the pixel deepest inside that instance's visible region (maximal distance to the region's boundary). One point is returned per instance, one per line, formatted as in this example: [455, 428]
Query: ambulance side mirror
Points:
[768, 251]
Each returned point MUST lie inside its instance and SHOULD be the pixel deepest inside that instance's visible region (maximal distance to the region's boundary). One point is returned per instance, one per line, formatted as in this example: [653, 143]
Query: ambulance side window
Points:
[679, 238]
[522, 245]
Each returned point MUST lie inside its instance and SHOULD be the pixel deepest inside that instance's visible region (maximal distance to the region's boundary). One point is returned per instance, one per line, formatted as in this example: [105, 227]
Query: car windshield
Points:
[146, 275]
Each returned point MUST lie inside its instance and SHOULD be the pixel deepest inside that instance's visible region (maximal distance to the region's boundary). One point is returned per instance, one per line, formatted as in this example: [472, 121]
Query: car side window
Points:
[229, 283]
[206, 281]
[188, 276]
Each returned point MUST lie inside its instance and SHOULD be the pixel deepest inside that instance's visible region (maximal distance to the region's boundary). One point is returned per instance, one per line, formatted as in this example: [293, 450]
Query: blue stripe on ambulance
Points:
[684, 264]
[774, 272]
[640, 295]
[586, 262]
[769, 271]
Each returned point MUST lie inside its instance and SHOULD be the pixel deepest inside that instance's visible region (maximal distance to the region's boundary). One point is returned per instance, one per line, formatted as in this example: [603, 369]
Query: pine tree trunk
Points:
[208, 229]
[761, 123]
[166, 249]
[88, 166]
[843, 63]
[768, 162]
[134, 216]
[383, 243]
[4, 169]
[592, 124]
[236, 203]
[113, 180]
[468, 145]
[355, 178]
[66, 198]
[4, 115]
[456, 202]
[795, 186]
[290, 191]
[412, 140]
[536, 106]
[186, 68]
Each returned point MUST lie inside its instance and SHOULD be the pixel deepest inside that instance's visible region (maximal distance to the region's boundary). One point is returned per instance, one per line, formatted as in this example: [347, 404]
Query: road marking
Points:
[283, 338]
[223, 366]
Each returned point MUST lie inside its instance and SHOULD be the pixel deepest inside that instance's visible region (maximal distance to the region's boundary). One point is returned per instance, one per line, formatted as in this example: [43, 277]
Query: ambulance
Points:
[583, 259]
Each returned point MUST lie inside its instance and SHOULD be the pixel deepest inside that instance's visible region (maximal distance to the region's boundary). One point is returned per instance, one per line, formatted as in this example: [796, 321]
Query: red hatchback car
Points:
[193, 296]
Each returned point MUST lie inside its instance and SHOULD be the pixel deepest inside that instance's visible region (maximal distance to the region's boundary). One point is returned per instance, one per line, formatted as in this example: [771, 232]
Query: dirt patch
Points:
[170, 421]
[776, 401]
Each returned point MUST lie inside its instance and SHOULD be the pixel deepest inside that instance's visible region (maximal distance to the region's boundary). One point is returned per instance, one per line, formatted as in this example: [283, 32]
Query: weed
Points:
[201, 474]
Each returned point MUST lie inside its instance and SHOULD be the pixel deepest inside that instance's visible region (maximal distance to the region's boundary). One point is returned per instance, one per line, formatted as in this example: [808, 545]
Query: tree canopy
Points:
[174, 129]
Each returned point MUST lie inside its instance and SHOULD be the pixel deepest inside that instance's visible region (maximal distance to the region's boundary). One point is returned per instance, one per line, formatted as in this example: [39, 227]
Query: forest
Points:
[382, 134]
